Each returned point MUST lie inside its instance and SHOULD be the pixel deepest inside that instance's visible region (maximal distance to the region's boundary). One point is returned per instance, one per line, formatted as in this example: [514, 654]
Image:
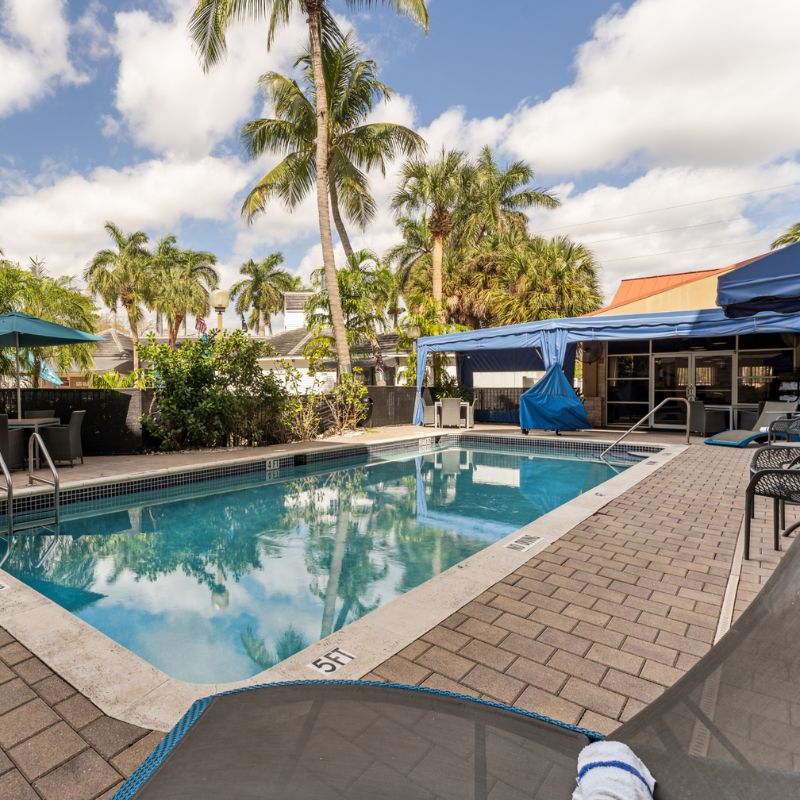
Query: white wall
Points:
[502, 380]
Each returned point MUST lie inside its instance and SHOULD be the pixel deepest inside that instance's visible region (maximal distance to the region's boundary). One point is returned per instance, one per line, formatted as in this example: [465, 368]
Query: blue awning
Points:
[551, 337]
[768, 283]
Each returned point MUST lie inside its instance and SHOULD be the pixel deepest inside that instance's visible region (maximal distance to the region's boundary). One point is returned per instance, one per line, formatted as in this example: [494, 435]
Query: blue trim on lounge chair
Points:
[741, 443]
[131, 787]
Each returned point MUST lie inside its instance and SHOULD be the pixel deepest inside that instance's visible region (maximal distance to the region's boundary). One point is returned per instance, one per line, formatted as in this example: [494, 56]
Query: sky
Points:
[669, 129]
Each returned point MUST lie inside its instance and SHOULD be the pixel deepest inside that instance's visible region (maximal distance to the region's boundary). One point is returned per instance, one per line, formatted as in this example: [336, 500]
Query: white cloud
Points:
[63, 221]
[168, 103]
[673, 82]
[34, 52]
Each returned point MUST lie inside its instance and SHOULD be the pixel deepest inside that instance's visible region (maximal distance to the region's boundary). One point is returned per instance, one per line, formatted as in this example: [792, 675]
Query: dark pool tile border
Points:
[275, 466]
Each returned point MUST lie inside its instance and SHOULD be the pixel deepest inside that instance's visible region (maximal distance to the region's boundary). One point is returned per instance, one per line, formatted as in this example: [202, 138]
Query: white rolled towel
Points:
[612, 771]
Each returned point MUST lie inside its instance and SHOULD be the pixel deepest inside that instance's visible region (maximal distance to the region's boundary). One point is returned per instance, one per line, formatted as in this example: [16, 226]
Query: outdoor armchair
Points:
[782, 484]
[12, 444]
[63, 442]
[451, 412]
[784, 428]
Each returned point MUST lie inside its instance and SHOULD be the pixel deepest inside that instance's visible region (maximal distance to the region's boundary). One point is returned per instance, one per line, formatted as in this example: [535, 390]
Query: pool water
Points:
[219, 581]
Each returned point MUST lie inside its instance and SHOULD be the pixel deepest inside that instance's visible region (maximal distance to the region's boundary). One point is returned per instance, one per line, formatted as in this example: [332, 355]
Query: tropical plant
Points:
[261, 291]
[208, 26]
[354, 145]
[435, 188]
[182, 280]
[347, 403]
[791, 236]
[368, 291]
[123, 275]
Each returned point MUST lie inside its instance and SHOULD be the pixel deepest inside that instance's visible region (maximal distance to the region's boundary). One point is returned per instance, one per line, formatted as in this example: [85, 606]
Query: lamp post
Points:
[220, 299]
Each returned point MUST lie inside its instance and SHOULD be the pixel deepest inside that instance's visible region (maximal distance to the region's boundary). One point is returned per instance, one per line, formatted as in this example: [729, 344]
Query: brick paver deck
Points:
[54, 743]
[599, 624]
[588, 631]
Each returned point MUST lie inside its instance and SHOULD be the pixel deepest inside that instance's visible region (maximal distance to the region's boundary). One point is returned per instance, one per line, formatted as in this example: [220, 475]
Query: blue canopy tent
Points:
[552, 402]
[768, 283]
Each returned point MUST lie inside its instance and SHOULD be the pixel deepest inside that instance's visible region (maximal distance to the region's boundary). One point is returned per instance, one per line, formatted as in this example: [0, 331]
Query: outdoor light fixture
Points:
[220, 299]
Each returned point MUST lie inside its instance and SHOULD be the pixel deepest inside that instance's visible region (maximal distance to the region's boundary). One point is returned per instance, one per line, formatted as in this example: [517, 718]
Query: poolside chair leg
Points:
[783, 514]
[776, 519]
[748, 516]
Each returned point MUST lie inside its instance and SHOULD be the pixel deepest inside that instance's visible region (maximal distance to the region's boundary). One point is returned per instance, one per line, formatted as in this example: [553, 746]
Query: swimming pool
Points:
[218, 581]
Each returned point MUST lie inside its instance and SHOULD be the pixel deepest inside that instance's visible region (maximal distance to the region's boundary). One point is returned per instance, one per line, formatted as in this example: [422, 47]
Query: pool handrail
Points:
[650, 414]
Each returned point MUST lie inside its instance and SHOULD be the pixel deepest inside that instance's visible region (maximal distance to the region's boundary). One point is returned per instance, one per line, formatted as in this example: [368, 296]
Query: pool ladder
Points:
[36, 450]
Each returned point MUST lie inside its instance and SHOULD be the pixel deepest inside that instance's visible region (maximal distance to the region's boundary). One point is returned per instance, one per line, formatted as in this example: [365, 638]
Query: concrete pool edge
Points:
[125, 686]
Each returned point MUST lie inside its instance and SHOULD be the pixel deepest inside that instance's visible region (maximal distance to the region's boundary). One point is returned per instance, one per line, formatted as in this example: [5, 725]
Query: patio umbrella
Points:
[20, 330]
[768, 283]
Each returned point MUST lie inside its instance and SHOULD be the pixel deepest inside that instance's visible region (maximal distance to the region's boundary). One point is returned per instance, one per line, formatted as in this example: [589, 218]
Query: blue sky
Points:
[647, 106]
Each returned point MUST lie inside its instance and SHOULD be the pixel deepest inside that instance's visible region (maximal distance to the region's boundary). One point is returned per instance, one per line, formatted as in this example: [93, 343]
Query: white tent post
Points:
[19, 389]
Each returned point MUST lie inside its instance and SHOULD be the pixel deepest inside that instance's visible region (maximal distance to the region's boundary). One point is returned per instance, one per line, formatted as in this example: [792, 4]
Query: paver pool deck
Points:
[587, 631]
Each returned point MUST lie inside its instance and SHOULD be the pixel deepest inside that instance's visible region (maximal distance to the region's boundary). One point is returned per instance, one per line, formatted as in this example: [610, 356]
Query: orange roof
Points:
[632, 289]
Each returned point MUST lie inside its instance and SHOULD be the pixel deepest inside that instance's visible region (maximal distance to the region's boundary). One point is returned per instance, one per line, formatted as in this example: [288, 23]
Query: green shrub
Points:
[213, 393]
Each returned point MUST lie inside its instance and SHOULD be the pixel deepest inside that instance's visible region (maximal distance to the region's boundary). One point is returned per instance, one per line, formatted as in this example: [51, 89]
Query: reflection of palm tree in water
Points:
[290, 642]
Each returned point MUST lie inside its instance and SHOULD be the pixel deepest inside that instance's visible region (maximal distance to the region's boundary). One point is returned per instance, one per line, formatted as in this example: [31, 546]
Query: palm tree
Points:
[354, 146]
[545, 279]
[182, 282]
[436, 188]
[790, 237]
[261, 292]
[123, 275]
[209, 24]
[413, 254]
[367, 289]
[502, 195]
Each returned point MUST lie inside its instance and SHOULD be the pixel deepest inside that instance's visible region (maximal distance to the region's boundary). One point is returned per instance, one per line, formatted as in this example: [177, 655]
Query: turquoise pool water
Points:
[219, 581]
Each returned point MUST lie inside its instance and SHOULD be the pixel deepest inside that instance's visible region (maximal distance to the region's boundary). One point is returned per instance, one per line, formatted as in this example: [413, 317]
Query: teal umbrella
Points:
[20, 330]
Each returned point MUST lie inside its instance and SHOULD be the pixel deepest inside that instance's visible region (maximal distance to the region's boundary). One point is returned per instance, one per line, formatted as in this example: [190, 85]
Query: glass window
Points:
[758, 374]
[627, 413]
[628, 391]
[628, 367]
[684, 343]
[766, 341]
[625, 347]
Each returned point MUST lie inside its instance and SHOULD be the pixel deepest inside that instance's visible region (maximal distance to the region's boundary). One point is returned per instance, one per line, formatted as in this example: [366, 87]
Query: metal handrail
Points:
[650, 414]
[55, 483]
[9, 487]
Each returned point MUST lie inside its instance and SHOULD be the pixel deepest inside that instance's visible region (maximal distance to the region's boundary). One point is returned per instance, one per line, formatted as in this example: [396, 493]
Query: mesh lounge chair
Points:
[724, 731]
[451, 412]
[759, 432]
[12, 444]
[64, 441]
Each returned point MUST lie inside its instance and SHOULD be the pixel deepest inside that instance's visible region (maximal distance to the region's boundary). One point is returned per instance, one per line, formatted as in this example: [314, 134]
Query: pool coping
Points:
[125, 686]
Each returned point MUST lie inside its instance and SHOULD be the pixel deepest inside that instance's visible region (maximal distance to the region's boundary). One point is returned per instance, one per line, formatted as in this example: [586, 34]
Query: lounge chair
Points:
[721, 732]
[759, 432]
[451, 412]
[12, 444]
[63, 442]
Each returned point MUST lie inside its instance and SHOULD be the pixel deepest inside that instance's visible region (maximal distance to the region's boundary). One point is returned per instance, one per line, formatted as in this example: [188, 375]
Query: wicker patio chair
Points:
[451, 412]
[63, 442]
[12, 444]
[783, 486]
[784, 428]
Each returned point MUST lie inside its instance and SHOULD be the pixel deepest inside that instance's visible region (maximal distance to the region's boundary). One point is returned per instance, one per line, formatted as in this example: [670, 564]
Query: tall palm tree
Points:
[354, 145]
[790, 237]
[436, 188]
[208, 26]
[181, 283]
[503, 194]
[122, 275]
[545, 279]
[261, 291]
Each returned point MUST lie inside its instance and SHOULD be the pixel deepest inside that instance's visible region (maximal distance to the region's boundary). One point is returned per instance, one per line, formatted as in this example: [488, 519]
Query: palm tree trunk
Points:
[323, 206]
[134, 337]
[380, 367]
[339, 222]
[438, 253]
[261, 322]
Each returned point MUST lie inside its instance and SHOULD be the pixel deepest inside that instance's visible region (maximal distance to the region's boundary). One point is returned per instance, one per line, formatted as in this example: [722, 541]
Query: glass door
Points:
[670, 379]
[713, 378]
